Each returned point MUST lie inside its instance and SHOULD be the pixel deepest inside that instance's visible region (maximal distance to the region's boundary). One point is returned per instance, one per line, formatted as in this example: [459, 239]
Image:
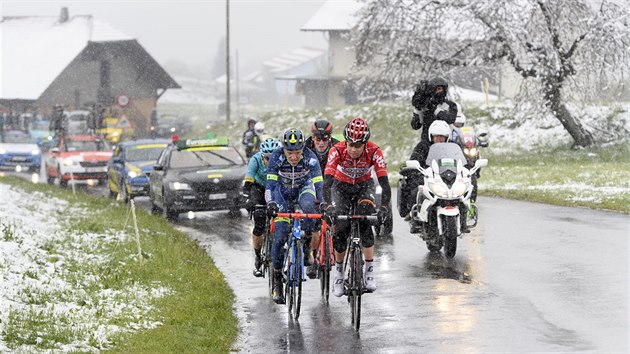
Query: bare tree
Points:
[563, 49]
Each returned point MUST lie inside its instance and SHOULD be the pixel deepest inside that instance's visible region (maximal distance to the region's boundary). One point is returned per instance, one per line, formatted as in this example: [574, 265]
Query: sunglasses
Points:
[317, 138]
[355, 145]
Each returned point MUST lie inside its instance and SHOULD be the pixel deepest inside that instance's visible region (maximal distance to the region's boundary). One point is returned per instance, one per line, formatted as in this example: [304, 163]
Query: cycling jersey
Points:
[348, 170]
[286, 178]
[256, 170]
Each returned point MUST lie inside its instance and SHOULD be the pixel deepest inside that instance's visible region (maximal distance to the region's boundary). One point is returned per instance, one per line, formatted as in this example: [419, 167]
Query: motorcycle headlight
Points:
[178, 186]
[473, 152]
[439, 189]
[68, 162]
[132, 174]
[459, 189]
[35, 152]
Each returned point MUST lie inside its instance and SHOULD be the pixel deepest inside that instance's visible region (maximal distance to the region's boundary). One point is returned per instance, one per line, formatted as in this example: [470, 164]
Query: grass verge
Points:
[195, 314]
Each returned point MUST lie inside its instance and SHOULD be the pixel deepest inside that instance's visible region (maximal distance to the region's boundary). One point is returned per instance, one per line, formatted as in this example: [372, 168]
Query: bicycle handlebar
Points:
[299, 216]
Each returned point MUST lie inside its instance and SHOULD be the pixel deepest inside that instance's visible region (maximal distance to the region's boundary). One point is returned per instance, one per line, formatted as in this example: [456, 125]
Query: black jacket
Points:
[321, 157]
[423, 117]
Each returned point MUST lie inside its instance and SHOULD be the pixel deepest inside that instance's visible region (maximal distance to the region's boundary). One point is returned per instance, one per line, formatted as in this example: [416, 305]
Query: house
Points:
[74, 61]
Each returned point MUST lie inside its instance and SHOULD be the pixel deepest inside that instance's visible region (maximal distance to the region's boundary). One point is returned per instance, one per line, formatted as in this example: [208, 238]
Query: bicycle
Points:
[354, 286]
[325, 259]
[293, 264]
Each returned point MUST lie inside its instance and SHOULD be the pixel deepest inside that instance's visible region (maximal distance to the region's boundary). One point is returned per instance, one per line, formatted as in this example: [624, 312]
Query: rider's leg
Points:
[306, 199]
[340, 240]
[257, 238]
[281, 232]
[366, 206]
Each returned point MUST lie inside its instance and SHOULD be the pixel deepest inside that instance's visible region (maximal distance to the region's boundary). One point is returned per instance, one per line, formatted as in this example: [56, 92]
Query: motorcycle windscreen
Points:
[446, 154]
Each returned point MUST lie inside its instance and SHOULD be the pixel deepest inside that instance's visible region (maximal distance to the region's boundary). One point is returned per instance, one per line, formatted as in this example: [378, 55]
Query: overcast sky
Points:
[190, 31]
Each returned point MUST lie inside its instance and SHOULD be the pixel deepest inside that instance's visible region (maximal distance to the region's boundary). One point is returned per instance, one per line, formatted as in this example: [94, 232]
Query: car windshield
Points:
[144, 152]
[18, 139]
[73, 145]
[215, 157]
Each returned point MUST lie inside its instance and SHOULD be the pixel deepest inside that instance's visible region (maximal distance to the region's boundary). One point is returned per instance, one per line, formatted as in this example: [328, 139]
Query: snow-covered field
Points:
[49, 297]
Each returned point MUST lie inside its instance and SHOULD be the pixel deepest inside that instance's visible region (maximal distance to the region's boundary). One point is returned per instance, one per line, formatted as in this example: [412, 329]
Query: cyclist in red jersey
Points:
[347, 179]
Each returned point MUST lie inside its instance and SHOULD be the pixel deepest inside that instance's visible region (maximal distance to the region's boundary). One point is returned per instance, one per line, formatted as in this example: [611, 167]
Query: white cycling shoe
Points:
[338, 284]
[370, 282]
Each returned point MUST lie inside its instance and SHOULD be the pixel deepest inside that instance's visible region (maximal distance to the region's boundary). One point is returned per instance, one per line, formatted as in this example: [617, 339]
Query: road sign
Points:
[123, 122]
[122, 101]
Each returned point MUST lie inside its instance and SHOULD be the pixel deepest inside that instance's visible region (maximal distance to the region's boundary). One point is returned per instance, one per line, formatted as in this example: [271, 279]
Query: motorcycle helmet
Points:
[322, 128]
[433, 84]
[440, 128]
[357, 131]
[460, 119]
[259, 128]
[268, 146]
[293, 139]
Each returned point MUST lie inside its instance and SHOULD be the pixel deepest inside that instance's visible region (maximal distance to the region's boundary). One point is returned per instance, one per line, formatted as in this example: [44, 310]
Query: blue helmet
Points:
[269, 146]
[293, 139]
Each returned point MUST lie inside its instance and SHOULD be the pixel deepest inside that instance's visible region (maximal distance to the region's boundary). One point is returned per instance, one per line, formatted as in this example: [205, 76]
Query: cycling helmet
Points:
[460, 120]
[439, 127]
[322, 128]
[268, 146]
[259, 127]
[357, 131]
[293, 139]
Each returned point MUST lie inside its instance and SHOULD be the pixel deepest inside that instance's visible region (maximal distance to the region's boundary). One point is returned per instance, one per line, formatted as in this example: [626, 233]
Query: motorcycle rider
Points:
[254, 191]
[293, 176]
[348, 178]
[430, 105]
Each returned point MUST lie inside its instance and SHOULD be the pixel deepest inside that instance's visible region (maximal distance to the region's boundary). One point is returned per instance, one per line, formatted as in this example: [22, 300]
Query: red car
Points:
[78, 158]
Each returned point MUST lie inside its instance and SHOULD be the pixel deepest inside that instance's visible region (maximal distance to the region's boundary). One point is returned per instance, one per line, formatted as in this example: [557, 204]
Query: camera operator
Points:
[430, 104]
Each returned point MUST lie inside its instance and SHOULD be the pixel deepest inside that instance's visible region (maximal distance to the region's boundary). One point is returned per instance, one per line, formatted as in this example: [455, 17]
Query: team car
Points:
[131, 165]
[197, 175]
[77, 157]
[18, 151]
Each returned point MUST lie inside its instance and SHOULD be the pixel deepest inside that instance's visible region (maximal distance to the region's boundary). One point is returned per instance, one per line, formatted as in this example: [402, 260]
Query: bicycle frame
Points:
[325, 258]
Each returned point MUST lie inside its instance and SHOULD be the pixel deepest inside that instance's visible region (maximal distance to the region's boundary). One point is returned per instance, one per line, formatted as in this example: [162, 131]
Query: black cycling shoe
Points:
[278, 289]
[311, 271]
[257, 267]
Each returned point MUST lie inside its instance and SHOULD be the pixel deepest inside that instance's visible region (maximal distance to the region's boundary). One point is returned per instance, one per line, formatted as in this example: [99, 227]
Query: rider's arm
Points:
[329, 172]
[315, 172]
[450, 115]
[416, 121]
[380, 168]
[272, 175]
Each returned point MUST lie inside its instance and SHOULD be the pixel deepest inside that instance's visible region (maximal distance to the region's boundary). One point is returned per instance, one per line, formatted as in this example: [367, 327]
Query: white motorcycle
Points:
[443, 199]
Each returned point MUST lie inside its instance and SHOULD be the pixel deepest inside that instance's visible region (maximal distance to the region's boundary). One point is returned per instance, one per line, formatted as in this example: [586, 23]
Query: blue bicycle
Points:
[293, 265]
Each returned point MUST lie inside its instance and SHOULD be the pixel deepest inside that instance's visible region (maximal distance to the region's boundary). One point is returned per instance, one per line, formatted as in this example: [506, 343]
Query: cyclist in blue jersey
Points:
[293, 176]
[254, 191]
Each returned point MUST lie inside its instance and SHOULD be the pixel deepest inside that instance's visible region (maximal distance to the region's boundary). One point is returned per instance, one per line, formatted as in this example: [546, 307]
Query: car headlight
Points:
[178, 186]
[440, 189]
[35, 152]
[68, 162]
[3, 151]
[132, 174]
[459, 189]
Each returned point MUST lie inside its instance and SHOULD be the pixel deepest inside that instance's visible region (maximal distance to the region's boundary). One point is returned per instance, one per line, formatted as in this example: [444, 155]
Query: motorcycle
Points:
[471, 143]
[443, 199]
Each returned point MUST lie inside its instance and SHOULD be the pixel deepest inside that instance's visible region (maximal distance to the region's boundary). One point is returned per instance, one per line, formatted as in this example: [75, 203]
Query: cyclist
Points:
[348, 179]
[319, 142]
[254, 191]
[293, 176]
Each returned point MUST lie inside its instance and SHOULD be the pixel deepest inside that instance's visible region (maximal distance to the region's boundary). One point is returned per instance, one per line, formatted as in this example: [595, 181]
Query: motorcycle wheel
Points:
[450, 237]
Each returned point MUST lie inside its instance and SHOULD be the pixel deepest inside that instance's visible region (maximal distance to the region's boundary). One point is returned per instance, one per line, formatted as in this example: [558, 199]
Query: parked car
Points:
[131, 165]
[18, 149]
[197, 175]
[79, 157]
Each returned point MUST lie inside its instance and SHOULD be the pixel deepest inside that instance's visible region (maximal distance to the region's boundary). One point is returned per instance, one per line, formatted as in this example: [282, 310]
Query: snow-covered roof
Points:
[35, 50]
[334, 15]
[293, 59]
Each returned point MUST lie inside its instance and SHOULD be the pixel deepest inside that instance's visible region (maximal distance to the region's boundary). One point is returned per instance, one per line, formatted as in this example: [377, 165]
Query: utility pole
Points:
[238, 93]
[227, 59]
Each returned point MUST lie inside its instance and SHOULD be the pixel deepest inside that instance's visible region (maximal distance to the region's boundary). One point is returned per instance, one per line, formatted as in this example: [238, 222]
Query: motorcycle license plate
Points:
[217, 196]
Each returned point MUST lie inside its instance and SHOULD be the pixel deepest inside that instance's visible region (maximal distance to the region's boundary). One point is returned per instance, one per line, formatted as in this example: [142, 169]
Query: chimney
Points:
[63, 16]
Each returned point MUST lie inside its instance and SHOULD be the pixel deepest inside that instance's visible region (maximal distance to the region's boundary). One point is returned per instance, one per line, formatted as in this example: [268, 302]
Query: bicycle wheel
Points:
[298, 266]
[358, 282]
[352, 295]
[327, 265]
[288, 290]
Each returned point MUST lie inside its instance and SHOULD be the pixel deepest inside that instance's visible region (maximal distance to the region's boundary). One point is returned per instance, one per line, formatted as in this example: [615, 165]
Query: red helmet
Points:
[357, 131]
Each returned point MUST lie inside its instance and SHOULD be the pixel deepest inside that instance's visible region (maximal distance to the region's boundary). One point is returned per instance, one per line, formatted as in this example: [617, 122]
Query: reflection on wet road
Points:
[529, 278]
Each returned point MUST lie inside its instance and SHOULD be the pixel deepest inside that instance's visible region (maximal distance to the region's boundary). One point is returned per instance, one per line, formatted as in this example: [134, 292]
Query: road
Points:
[530, 278]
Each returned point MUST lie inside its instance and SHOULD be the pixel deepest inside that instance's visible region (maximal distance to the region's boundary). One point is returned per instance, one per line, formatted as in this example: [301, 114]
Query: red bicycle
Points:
[325, 258]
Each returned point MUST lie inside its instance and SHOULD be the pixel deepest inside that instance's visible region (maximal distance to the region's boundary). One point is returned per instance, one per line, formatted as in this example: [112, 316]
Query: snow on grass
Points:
[51, 294]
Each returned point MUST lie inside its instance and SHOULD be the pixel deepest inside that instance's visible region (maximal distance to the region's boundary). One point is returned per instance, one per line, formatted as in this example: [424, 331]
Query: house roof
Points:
[293, 59]
[36, 49]
[334, 15]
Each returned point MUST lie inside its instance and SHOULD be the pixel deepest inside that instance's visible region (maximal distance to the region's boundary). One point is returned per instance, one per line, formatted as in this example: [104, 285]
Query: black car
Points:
[197, 175]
